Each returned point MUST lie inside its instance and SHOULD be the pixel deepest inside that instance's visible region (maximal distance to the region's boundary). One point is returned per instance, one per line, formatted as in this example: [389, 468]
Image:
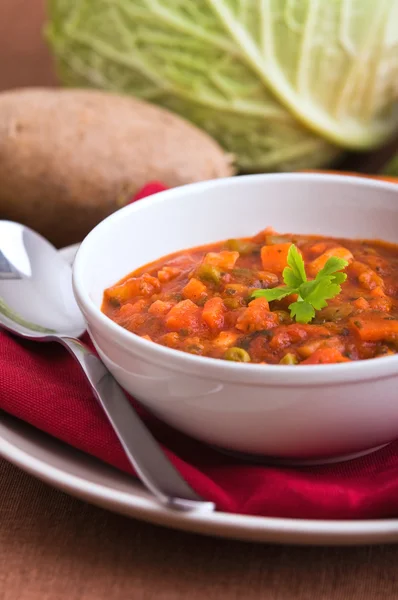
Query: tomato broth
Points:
[207, 300]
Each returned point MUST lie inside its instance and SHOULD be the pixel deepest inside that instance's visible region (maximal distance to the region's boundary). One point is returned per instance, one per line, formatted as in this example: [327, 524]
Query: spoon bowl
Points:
[36, 294]
[37, 303]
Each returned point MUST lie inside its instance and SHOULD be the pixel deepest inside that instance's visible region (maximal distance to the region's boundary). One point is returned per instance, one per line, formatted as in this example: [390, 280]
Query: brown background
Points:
[55, 547]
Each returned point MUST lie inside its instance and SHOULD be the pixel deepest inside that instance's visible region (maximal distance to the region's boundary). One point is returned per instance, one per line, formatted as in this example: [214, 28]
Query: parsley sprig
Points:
[312, 295]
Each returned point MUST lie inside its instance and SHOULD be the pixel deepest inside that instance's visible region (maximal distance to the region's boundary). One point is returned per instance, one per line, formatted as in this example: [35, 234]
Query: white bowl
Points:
[303, 412]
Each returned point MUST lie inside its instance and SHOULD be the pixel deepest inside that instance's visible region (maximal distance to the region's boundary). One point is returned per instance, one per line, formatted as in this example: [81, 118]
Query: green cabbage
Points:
[282, 84]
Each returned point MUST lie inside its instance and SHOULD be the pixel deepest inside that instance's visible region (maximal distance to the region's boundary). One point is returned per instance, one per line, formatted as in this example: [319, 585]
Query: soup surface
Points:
[212, 300]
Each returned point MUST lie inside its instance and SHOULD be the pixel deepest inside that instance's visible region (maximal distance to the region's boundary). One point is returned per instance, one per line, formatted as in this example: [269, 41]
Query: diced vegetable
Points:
[274, 258]
[171, 340]
[243, 247]
[361, 303]
[324, 356]
[374, 327]
[213, 313]
[267, 278]
[256, 317]
[309, 347]
[194, 290]
[237, 355]
[223, 260]
[318, 264]
[126, 311]
[184, 315]
[225, 339]
[236, 288]
[209, 274]
[334, 313]
[289, 359]
[168, 273]
[286, 335]
[233, 302]
[366, 276]
[146, 285]
[160, 308]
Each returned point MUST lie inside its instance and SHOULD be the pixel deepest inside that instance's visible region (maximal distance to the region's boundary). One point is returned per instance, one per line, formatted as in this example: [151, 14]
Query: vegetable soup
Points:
[273, 299]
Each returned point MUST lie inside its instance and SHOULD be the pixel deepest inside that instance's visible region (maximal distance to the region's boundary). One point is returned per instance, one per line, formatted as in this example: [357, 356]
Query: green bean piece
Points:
[270, 240]
[209, 273]
[334, 313]
[241, 246]
[237, 355]
[289, 359]
[243, 275]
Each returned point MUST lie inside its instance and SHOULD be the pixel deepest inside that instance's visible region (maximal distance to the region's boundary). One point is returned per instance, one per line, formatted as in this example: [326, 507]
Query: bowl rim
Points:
[253, 374]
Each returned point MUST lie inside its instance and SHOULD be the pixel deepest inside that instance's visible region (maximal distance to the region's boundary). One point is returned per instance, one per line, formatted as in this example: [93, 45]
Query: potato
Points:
[69, 158]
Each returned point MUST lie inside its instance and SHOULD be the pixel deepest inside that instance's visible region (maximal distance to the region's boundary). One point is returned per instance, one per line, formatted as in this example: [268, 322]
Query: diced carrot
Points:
[286, 335]
[378, 292]
[168, 273]
[381, 304]
[325, 356]
[225, 339]
[366, 276]
[171, 340]
[380, 300]
[274, 258]
[145, 285]
[377, 263]
[194, 289]
[135, 322]
[370, 280]
[373, 327]
[184, 315]
[223, 260]
[160, 308]
[129, 309]
[361, 304]
[237, 287]
[318, 264]
[261, 236]
[257, 316]
[318, 248]
[309, 347]
[213, 313]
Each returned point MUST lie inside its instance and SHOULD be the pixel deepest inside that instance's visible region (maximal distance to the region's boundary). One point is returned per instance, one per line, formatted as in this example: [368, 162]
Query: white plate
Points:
[84, 477]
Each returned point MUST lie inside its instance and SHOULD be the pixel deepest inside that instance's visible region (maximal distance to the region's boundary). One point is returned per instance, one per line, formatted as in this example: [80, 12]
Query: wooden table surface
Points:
[55, 547]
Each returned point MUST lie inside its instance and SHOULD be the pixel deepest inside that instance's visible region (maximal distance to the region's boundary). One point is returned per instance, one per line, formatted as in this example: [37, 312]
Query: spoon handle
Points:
[142, 450]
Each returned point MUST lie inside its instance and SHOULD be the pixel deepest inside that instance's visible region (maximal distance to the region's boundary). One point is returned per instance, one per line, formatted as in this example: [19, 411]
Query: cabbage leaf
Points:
[282, 84]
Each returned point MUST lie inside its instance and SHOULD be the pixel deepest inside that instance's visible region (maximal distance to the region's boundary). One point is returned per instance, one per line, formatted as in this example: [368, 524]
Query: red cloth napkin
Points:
[42, 385]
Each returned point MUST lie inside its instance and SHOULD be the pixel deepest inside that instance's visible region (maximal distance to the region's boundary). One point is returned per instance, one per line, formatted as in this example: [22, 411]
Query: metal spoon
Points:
[37, 303]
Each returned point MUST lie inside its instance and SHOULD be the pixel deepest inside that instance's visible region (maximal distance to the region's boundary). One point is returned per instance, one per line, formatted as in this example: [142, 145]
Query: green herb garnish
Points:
[312, 295]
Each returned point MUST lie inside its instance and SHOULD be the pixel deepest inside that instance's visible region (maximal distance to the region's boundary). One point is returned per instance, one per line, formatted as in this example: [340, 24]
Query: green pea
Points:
[209, 273]
[289, 359]
[237, 355]
[232, 303]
